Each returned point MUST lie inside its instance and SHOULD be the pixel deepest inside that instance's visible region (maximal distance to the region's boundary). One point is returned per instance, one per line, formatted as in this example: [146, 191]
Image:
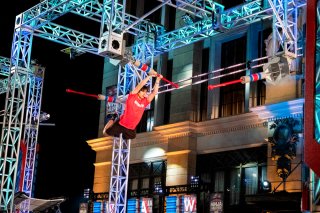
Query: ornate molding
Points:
[211, 127]
[233, 129]
[179, 152]
[102, 163]
[176, 130]
[147, 139]
[100, 144]
[161, 134]
[148, 143]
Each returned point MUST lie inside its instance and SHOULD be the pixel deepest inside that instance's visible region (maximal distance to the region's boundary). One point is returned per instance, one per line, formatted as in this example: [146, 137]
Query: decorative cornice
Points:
[179, 152]
[216, 126]
[215, 150]
[147, 139]
[180, 129]
[148, 143]
[102, 163]
[149, 159]
[232, 129]
[161, 134]
[100, 144]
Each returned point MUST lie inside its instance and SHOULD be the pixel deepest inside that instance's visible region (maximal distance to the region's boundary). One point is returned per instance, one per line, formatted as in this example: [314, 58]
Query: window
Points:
[260, 93]
[145, 183]
[133, 184]
[143, 176]
[232, 96]
[172, 18]
[235, 173]
[234, 186]
[155, 17]
[251, 180]
[219, 181]
[157, 180]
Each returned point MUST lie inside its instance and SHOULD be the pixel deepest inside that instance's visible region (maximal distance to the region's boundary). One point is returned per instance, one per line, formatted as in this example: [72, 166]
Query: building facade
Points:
[225, 142]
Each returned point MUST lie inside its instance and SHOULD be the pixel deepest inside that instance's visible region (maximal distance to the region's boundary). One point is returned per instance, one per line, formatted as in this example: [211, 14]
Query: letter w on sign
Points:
[190, 203]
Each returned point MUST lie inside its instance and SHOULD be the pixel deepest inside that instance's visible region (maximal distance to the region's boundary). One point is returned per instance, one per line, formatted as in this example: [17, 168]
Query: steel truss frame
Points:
[285, 26]
[119, 175]
[32, 127]
[37, 21]
[315, 181]
[4, 66]
[35, 84]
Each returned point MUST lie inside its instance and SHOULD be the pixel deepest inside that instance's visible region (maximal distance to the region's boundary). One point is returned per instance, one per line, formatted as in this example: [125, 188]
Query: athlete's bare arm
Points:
[141, 84]
[155, 89]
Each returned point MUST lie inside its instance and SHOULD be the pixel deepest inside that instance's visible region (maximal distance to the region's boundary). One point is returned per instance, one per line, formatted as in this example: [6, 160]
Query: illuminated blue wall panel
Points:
[171, 204]
[132, 206]
[100, 207]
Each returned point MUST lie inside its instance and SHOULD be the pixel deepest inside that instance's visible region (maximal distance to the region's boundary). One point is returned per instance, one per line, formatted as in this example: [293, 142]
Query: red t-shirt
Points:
[133, 111]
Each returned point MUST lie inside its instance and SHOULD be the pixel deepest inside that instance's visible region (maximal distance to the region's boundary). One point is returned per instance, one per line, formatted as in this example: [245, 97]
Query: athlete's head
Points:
[143, 92]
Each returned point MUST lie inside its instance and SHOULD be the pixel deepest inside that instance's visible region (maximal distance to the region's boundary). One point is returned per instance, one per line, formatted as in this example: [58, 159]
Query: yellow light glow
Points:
[154, 153]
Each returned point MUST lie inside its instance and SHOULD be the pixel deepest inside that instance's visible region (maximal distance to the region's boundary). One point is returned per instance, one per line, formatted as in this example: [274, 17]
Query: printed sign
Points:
[146, 205]
[216, 203]
[83, 208]
[189, 203]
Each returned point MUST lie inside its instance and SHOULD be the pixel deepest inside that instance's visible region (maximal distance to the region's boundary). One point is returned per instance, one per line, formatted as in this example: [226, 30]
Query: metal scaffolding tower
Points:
[151, 40]
[30, 125]
[119, 175]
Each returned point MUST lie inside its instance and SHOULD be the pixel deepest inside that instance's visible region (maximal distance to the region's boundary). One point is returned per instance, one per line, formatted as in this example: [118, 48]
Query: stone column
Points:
[102, 171]
[196, 89]
[214, 63]
[181, 160]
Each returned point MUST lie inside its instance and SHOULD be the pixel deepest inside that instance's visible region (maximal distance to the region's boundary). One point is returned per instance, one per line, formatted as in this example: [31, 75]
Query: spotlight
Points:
[44, 116]
[265, 186]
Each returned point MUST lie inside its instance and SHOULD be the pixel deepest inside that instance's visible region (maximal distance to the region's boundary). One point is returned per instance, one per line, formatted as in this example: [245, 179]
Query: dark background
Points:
[65, 161]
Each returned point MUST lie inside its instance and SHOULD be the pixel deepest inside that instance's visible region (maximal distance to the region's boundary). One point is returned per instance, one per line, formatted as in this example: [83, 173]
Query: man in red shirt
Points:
[136, 103]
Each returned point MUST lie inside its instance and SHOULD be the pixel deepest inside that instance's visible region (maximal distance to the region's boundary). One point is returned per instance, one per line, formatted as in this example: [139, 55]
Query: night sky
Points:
[65, 161]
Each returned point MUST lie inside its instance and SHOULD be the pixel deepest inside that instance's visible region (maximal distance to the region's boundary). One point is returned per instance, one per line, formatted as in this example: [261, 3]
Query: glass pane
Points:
[219, 181]
[134, 184]
[157, 167]
[251, 180]
[263, 173]
[232, 96]
[234, 188]
[157, 180]
[145, 183]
